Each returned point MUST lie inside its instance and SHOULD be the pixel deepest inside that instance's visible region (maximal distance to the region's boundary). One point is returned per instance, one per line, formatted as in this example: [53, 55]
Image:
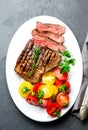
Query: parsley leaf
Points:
[66, 62]
[66, 53]
[72, 61]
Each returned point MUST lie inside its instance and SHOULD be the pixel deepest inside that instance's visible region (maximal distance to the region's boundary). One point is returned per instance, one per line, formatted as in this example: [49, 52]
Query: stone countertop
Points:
[12, 15]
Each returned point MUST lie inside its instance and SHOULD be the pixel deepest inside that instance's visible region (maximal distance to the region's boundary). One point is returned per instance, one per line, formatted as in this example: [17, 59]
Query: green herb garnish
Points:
[54, 98]
[66, 53]
[25, 89]
[40, 101]
[63, 88]
[57, 114]
[36, 54]
[67, 61]
[33, 93]
[40, 94]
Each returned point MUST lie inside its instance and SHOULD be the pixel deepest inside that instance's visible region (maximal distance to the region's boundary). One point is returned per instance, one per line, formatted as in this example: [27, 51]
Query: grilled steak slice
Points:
[53, 28]
[46, 61]
[44, 41]
[59, 39]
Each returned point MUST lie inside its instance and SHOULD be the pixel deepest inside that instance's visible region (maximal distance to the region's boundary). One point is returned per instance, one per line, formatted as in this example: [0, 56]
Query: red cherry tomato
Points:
[64, 87]
[59, 75]
[67, 84]
[58, 83]
[36, 87]
[53, 109]
[45, 102]
[62, 99]
[32, 100]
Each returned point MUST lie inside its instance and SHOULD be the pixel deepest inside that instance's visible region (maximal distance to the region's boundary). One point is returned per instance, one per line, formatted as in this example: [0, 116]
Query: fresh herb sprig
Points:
[36, 54]
[67, 62]
[40, 94]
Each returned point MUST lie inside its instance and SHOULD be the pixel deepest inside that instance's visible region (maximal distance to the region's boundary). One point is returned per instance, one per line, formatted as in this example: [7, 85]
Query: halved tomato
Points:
[32, 100]
[45, 101]
[36, 87]
[53, 109]
[25, 89]
[47, 89]
[59, 75]
[48, 78]
[55, 89]
[62, 99]
[58, 83]
[67, 84]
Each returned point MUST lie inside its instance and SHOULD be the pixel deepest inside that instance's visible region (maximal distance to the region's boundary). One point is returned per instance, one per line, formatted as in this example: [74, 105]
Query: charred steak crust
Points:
[46, 61]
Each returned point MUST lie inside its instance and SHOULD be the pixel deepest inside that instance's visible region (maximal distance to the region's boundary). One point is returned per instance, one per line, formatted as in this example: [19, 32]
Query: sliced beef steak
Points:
[47, 60]
[59, 39]
[44, 41]
[53, 28]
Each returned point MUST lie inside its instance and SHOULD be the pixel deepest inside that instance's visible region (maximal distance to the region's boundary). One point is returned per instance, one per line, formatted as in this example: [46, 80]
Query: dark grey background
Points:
[13, 13]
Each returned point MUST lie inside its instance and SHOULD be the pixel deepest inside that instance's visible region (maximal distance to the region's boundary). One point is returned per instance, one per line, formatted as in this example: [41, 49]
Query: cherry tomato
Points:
[44, 102]
[67, 84]
[55, 90]
[48, 78]
[53, 109]
[25, 89]
[59, 75]
[32, 100]
[36, 87]
[62, 99]
[63, 86]
[58, 83]
[47, 89]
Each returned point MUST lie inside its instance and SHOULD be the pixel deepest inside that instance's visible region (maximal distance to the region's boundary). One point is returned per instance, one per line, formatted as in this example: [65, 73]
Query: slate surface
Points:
[13, 13]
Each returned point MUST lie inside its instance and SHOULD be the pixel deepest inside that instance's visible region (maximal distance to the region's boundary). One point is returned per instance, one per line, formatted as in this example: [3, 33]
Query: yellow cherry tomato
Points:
[48, 78]
[25, 89]
[55, 89]
[48, 90]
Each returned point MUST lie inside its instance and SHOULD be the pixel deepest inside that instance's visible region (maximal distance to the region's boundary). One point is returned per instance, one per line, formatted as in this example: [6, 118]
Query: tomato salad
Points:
[52, 92]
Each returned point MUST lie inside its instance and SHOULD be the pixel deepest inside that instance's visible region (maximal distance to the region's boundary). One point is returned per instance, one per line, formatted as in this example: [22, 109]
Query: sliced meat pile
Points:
[54, 37]
[53, 28]
[31, 69]
[49, 35]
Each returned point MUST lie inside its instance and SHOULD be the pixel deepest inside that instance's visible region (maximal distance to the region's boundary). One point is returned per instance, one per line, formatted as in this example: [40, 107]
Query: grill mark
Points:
[53, 55]
[24, 59]
[47, 58]
[40, 57]
[28, 59]
[45, 54]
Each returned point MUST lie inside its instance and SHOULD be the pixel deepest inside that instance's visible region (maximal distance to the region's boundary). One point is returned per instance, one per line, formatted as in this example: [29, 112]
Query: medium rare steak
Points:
[53, 28]
[31, 69]
[59, 39]
[44, 41]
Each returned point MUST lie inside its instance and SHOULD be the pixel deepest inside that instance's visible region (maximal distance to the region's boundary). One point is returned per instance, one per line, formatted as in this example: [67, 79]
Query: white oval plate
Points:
[20, 38]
